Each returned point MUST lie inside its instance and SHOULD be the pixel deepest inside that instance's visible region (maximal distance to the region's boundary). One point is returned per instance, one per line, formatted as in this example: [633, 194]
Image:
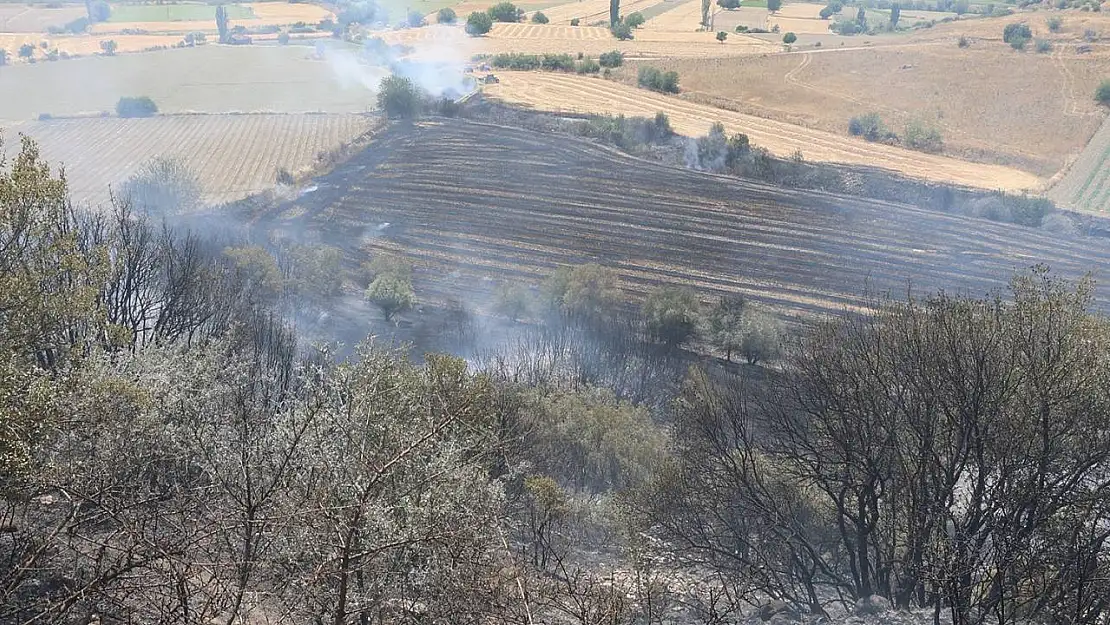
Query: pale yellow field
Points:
[590, 11]
[266, 14]
[685, 16]
[81, 45]
[567, 93]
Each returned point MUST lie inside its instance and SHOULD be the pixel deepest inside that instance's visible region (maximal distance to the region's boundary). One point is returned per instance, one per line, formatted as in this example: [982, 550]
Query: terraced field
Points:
[1086, 186]
[474, 205]
[567, 93]
[233, 155]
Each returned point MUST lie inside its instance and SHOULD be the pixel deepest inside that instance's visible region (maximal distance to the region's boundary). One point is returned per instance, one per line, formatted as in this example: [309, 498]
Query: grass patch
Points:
[656, 9]
[762, 4]
[175, 12]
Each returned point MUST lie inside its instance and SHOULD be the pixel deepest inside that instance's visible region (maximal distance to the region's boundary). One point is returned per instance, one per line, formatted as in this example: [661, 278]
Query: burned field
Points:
[474, 206]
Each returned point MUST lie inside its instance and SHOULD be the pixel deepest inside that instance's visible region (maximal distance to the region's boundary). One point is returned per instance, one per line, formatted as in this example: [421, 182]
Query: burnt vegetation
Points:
[599, 404]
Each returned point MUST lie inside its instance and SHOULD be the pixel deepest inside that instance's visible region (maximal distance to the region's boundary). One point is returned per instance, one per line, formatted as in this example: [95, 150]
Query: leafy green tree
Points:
[614, 13]
[539, 18]
[141, 106]
[721, 36]
[478, 23]
[729, 4]
[505, 12]
[1015, 31]
[258, 270]
[399, 97]
[99, 11]
[1102, 93]
[611, 59]
[774, 5]
[726, 324]
[27, 51]
[415, 19]
[222, 23]
[446, 15]
[895, 15]
[961, 7]
[762, 337]
[109, 46]
[705, 13]
[512, 301]
[789, 38]
[589, 291]
[575, 21]
[391, 294]
[634, 20]
[622, 31]
[861, 19]
[672, 315]
[162, 187]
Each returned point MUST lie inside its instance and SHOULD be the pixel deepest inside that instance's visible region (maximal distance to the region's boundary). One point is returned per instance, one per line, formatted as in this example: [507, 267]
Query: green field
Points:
[761, 4]
[175, 12]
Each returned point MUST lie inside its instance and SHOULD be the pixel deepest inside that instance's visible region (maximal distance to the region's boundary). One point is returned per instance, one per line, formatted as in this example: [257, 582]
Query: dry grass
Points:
[233, 155]
[992, 104]
[559, 92]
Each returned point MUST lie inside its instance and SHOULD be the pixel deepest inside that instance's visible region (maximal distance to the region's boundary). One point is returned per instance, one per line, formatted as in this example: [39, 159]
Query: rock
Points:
[868, 606]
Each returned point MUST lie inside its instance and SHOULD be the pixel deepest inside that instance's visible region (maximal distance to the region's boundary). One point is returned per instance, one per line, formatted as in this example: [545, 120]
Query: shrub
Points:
[1015, 31]
[283, 39]
[478, 24]
[587, 66]
[589, 291]
[774, 5]
[762, 337]
[446, 15]
[163, 187]
[398, 96]
[141, 106]
[634, 20]
[109, 46]
[721, 36]
[1102, 93]
[1054, 24]
[539, 18]
[505, 12]
[622, 31]
[869, 126]
[415, 19]
[826, 13]
[657, 80]
[512, 301]
[729, 4]
[1018, 43]
[963, 42]
[1043, 46]
[923, 137]
[789, 38]
[391, 294]
[575, 22]
[672, 315]
[1090, 35]
[611, 59]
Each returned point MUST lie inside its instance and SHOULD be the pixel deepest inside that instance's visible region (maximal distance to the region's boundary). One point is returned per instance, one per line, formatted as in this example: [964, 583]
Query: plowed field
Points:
[557, 92]
[233, 155]
[474, 204]
[1086, 186]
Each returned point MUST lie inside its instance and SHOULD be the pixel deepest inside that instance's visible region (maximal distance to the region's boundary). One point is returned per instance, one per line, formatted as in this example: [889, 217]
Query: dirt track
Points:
[560, 92]
[475, 204]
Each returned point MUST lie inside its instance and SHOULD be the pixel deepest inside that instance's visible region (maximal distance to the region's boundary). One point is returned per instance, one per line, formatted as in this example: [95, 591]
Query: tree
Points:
[726, 324]
[961, 7]
[575, 21]
[1102, 93]
[539, 18]
[162, 187]
[505, 12]
[391, 294]
[588, 291]
[622, 31]
[415, 19]
[614, 13]
[446, 15]
[763, 335]
[634, 19]
[27, 51]
[478, 23]
[672, 315]
[398, 97]
[221, 22]
[109, 47]
[721, 36]
[789, 38]
[729, 4]
[1015, 31]
[512, 301]
[895, 14]
[99, 11]
[141, 106]
[283, 38]
[706, 7]
[774, 5]
[3, 57]
[861, 19]
[614, 58]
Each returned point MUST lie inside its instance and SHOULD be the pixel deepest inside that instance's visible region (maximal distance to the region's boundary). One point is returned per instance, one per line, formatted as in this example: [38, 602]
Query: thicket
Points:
[614, 58]
[657, 80]
[518, 61]
[505, 12]
[141, 106]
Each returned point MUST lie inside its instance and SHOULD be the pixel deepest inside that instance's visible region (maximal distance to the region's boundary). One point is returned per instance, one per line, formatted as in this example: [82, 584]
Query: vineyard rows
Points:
[233, 155]
[474, 205]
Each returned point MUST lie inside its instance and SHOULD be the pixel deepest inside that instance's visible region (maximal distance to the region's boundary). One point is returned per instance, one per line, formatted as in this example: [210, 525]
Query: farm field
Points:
[20, 18]
[83, 45]
[251, 79]
[985, 111]
[182, 18]
[567, 93]
[474, 205]
[175, 12]
[1086, 186]
[232, 155]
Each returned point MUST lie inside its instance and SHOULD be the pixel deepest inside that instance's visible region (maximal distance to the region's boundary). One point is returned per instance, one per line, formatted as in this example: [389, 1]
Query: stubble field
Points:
[475, 205]
[232, 155]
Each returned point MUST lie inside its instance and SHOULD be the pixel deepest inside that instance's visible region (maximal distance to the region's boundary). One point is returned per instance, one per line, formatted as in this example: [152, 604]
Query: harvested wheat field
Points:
[233, 155]
[473, 204]
[560, 92]
[1035, 119]
[83, 45]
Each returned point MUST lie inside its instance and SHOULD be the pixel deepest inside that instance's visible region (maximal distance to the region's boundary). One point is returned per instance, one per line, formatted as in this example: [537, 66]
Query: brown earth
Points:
[474, 204]
[562, 92]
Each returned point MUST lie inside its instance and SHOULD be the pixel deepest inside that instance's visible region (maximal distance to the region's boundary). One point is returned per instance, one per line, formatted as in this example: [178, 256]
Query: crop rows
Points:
[1086, 186]
[233, 155]
[474, 205]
